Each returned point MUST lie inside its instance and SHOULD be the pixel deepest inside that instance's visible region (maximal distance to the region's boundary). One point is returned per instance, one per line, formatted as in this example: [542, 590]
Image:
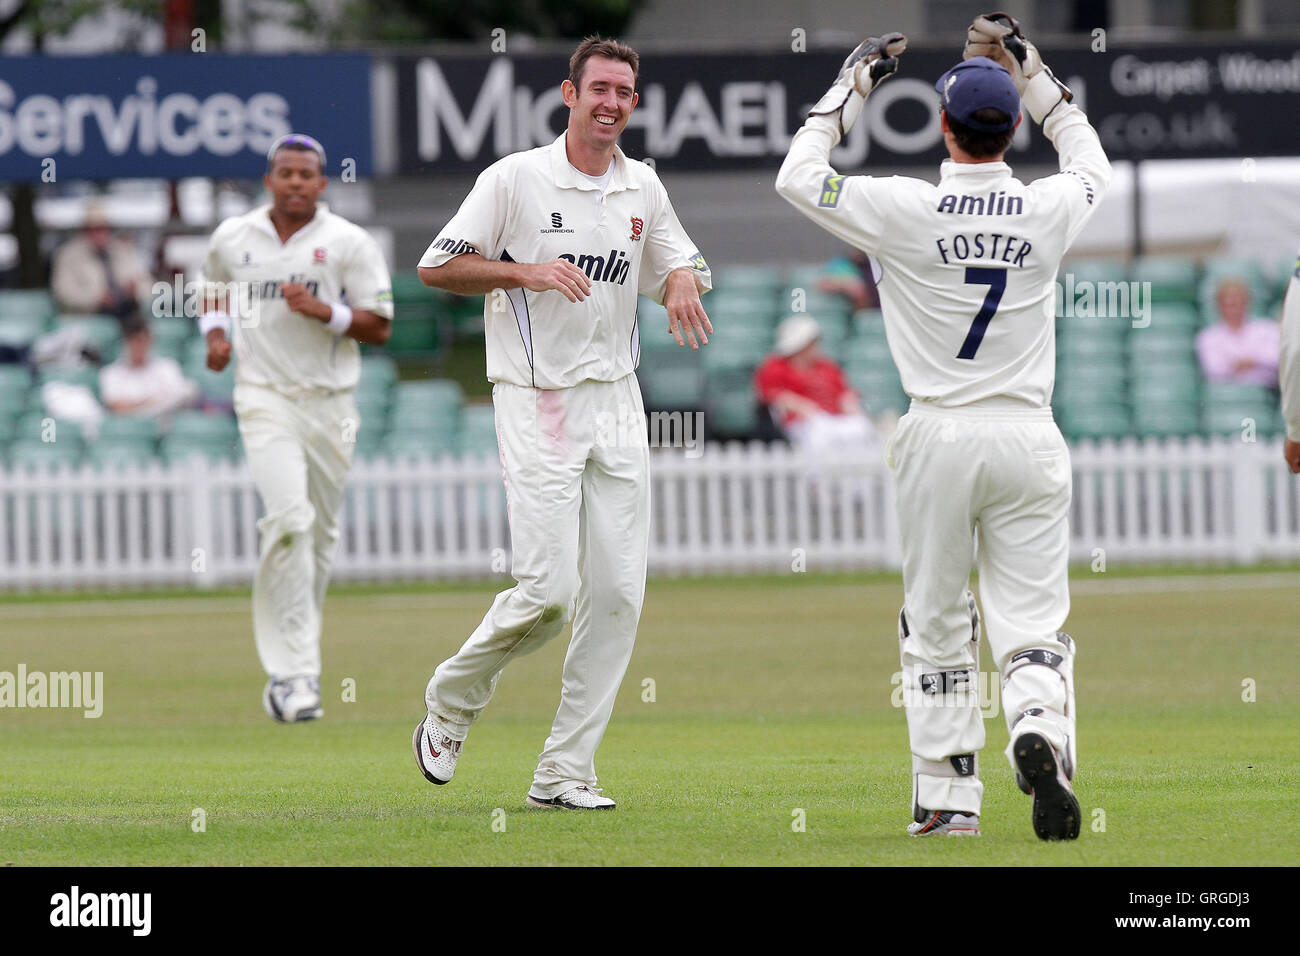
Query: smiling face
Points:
[598, 112]
[295, 182]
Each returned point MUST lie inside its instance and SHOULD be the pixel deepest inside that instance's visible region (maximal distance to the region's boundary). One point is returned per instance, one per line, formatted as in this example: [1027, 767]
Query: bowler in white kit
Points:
[567, 235]
[966, 272]
[298, 288]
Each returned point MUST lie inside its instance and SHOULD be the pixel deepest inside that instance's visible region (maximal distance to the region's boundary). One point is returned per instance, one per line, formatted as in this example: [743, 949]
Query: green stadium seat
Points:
[377, 367]
[432, 398]
[129, 428]
[203, 427]
[731, 408]
[1168, 316]
[1092, 270]
[1094, 420]
[404, 445]
[879, 388]
[733, 347]
[1161, 389]
[1156, 344]
[1083, 349]
[217, 387]
[34, 454]
[867, 324]
[673, 381]
[1157, 419]
[425, 421]
[760, 280]
[179, 448]
[15, 381]
[102, 332]
[478, 431]
[1172, 278]
[1092, 326]
[867, 351]
[20, 330]
[172, 332]
[26, 302]
[373, 411]
[71, 375]
[114, 453]
[757, 309]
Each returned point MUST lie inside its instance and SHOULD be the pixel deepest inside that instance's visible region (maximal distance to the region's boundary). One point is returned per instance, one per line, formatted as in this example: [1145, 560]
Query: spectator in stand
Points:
[98, 273]
[1239, 348]
[851, 276]
[140, 383]
[808, 394]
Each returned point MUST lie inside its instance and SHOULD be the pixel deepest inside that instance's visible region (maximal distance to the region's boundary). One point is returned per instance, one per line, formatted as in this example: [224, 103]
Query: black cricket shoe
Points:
[1056, 811]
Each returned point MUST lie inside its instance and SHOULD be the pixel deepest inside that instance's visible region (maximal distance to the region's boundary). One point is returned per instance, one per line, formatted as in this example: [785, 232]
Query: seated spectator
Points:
[808, 393]
[1238, 348]
[96, 273]
[142, 384]
[851, 276]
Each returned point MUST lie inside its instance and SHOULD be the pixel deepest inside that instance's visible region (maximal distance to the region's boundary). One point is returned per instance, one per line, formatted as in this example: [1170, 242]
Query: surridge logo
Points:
[74, 908]
[612, 268]
[557, 221]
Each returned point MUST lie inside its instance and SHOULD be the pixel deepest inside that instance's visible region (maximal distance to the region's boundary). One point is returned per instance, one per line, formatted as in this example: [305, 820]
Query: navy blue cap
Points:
[976, 84]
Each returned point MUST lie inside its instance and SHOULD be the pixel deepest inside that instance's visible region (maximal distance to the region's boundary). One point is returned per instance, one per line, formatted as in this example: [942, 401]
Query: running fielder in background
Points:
[1289, 369]
[307, 286]
[966, 286]
[569, 233]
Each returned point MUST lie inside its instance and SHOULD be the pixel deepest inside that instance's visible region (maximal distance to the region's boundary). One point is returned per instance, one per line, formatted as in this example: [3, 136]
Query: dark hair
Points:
[135, 324]
[598, 46]
[978, 144]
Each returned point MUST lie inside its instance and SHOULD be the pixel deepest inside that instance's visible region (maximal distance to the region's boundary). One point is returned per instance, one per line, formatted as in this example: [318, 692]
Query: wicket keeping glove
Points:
[874, 60]
[998, 37]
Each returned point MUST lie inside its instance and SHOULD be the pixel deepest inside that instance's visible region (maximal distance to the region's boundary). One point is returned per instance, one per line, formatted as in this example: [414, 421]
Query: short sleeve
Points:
[479, 225]
[667, 249]
[366, 281]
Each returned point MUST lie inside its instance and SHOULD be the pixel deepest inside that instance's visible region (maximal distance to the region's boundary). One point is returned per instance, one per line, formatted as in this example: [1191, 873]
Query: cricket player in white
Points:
[966, 285]
[1288, 368]
[304, 286]
[568, 234]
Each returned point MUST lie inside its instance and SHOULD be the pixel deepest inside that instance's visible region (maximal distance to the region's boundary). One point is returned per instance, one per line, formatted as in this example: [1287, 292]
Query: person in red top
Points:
[808, 394]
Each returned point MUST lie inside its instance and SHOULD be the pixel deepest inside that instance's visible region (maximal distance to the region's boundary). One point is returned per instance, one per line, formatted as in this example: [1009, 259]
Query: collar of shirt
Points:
[262, 221]
[949, 169]
[566, 177]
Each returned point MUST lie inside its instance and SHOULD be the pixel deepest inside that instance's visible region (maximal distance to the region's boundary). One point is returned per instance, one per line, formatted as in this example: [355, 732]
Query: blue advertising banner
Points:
[177, 115]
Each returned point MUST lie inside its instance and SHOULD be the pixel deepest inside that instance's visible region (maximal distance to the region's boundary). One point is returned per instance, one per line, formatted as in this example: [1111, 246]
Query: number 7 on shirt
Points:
[996, 280]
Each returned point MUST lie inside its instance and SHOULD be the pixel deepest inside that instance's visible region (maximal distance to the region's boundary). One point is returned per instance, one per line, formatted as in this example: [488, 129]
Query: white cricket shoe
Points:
[578, 798]
[435, 753]
[292, 699]
[946, 823]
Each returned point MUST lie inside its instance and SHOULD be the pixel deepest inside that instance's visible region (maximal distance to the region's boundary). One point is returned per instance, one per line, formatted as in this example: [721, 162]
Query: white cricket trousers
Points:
[1006, 472]
[299, 450]
[576, 468]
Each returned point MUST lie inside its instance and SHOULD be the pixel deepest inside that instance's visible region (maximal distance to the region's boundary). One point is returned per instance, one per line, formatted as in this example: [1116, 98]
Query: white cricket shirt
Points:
[968, 266]
[1289, 357]
[337, 261]
[533, 207]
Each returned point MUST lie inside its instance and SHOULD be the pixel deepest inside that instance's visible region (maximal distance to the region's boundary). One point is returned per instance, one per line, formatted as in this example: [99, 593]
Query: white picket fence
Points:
[730, 509]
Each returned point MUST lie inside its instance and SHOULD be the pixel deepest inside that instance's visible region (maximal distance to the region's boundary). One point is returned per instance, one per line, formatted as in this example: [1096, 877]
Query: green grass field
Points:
[772, 695]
